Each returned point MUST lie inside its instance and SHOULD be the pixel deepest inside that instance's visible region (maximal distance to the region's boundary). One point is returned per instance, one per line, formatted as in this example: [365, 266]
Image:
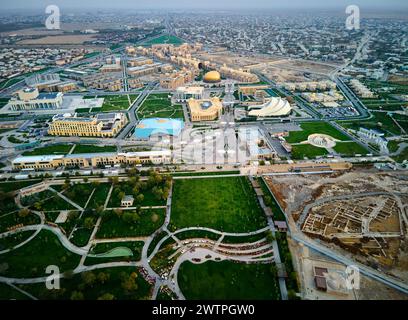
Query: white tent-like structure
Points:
[274, 107]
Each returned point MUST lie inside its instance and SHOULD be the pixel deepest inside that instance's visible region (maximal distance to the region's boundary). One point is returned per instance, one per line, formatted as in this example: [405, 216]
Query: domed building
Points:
[212, 77]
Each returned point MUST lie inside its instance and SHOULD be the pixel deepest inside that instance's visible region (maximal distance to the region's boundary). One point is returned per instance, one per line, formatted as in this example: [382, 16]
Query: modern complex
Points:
[205, 109]
[274, 107]
[31, 99]
[92, 160]
[103, 125]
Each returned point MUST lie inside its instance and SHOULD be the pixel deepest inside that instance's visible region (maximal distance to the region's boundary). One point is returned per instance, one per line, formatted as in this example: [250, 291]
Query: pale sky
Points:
[205, 4]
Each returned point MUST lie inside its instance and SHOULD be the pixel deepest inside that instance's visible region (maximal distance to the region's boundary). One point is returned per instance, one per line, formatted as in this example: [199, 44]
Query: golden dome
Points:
[212, 77]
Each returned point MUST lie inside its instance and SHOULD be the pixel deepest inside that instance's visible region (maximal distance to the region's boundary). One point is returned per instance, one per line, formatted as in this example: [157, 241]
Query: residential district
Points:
[199, 155]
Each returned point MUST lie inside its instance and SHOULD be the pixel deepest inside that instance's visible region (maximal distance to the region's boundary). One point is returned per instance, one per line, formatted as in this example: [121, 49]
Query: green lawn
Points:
[165, 39]
[113, 226]
[225, 204]
[315, 127]
[16, 185]
[159, 106]
[402, 156]
[271, 202]
[12, 219]
[59, 149]
[79, 193]
[9, 293]
[99, 196]
[380, 121]
[14, 239]
[101, 248]
[32, 259]
[350, 149]
[87, 148]
[124, 187]
[228, 281]
[117, 102]
[300, 151]
[97, 288]
[50, 202]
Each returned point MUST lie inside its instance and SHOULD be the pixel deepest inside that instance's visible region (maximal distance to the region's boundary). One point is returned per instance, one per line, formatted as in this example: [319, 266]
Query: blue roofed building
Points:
[158, 127]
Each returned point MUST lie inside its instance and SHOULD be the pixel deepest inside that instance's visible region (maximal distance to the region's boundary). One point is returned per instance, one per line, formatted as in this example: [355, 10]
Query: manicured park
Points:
[164, 39]
[309, 128]
[227, 280]
[159, 106]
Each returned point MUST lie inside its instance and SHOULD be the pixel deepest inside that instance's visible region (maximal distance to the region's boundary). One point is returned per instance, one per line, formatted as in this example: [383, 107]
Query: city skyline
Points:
[212, 4]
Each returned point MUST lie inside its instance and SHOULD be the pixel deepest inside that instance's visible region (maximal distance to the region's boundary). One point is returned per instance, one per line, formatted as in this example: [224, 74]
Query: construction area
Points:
[361, 214]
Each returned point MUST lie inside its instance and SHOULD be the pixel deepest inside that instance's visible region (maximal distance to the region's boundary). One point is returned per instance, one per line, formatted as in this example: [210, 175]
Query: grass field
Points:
[99, 196]
[12, 219]
[114, 226]
[315, 127]
[32, 259]
[159, 106]
[380, 121]
[17, 185]
[79, 193]
[117, 102]
[300, 151]
[350, 149]
[165, 39]
[102, 248]
[225, 204]
[95, 290]
[228, 281]
[87, 148]
[59, 149]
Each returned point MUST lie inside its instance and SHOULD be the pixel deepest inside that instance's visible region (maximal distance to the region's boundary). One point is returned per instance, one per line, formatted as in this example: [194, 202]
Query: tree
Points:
[86, 180]
[131, 217]
[89, 223]
[107, 297]
[158, 192]
[73, 215]
[38, 206]
[77, 295]
[270, 237]
[103, 277]
[118, 212]
[129, 284]
[99, 210]
[89, 278]
[140, 198]
[24, 213]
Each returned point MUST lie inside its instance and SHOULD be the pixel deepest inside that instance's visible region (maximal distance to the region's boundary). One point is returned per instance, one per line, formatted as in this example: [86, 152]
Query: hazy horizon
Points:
[209, 4]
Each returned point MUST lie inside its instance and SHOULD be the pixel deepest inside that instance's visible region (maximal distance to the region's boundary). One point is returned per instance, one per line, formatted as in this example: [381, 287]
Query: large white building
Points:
[31, 99]
[91, 160]
[273, 107]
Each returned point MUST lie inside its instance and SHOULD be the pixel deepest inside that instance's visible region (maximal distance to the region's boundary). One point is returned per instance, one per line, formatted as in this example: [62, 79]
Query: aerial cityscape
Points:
[239, 151]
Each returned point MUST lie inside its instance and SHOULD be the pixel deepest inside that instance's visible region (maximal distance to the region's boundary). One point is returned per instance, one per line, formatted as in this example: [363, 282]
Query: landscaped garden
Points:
[117, 102]
[309, 128]
[159, 106]
[224, 204]
[32, 259]
[130, 223]
[164, 39]
[124, 283]
[58, 149]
